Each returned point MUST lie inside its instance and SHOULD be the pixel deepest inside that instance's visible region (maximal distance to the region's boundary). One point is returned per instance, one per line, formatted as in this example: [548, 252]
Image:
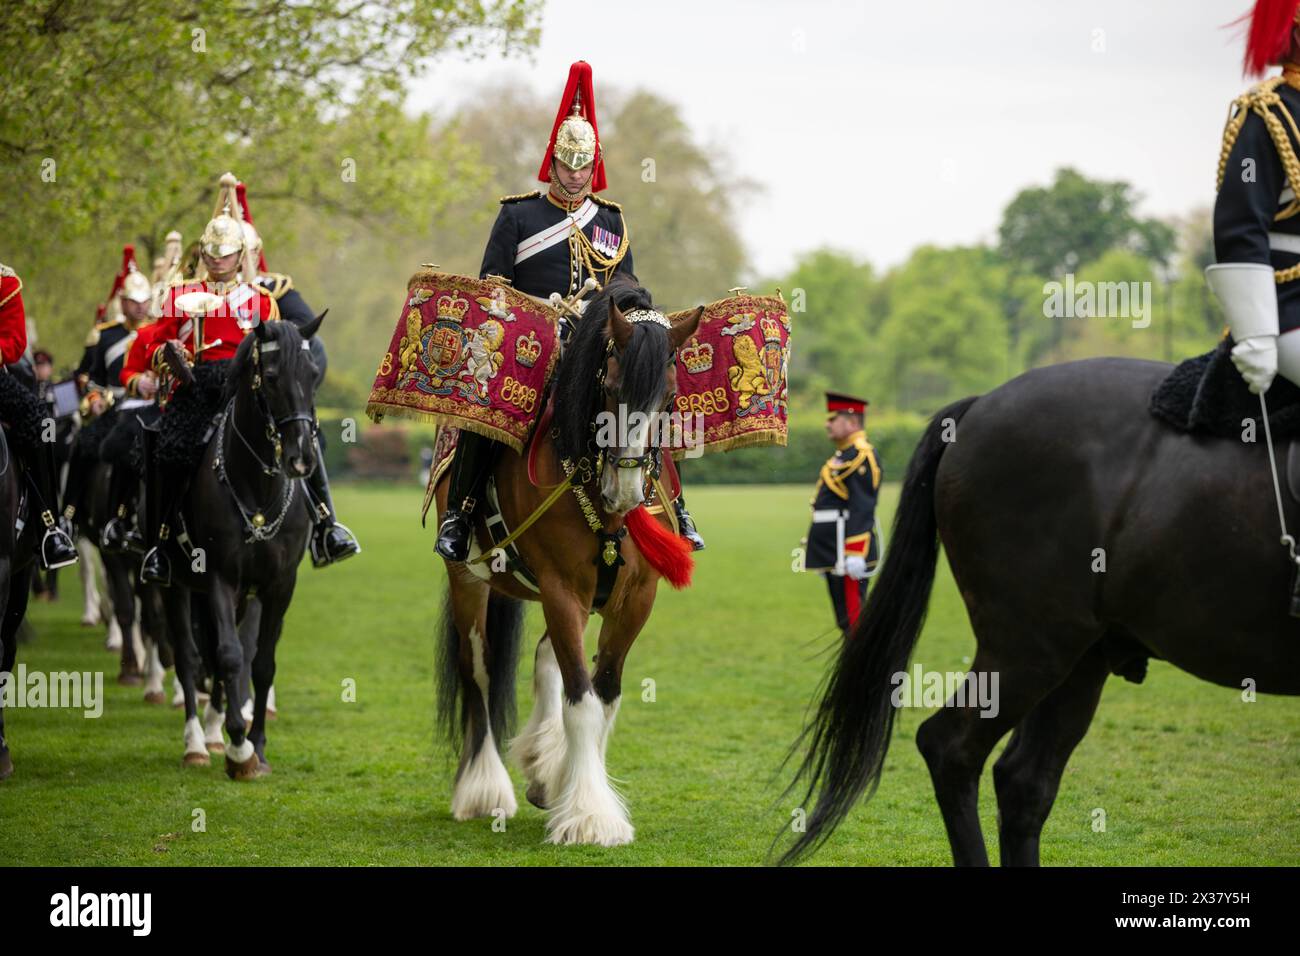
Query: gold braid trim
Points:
[1261, 100]
[593, 261]
[5, 300]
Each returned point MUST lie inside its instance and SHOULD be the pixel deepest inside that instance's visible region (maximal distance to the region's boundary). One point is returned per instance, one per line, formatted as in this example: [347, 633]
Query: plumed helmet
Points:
[224, 233]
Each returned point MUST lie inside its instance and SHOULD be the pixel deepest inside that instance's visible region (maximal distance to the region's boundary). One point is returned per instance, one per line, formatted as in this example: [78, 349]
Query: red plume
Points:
[128, 257]
[100, 311]
[667, 553]
[1269, 36]
[579, 82]
[241, 191]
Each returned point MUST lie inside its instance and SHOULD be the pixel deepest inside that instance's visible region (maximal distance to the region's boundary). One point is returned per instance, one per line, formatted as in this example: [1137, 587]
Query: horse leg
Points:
[538, 751]
[119, 587]
[249, 624]
[205, 638]
[957, 741]
[483, 784]
[271, 609]
[8, 654]
[176, 606]
[241, 759]
[586, 810]
[90, 608]
[1028, 774]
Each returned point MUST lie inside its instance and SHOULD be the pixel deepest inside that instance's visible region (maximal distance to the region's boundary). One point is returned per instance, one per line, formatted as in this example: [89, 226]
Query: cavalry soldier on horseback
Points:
[208, 340]
[128, 308]
[565, 242]
[26, 415]
[1256, 221]
[840, 543]
[331, 541]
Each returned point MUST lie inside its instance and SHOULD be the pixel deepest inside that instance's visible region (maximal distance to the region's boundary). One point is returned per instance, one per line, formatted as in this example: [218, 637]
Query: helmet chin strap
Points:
[564, 195]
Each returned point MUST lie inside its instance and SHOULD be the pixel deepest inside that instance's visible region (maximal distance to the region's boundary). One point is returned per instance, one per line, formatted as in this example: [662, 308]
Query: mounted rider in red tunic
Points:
[564, 242]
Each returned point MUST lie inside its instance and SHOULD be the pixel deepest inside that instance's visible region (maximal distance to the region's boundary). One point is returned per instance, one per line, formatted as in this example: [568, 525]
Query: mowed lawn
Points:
[1186, 773]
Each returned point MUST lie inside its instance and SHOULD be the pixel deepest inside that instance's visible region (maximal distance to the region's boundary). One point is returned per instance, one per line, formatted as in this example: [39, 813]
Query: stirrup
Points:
[156, 568]
[321, 555]
[454, 535]
[50, 555]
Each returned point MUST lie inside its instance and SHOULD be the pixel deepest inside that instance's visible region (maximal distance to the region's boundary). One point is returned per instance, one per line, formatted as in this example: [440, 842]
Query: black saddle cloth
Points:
[1206, 395]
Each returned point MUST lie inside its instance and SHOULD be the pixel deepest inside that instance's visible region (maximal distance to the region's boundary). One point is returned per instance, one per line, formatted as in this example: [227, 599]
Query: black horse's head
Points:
[618, 375]
[273, 369]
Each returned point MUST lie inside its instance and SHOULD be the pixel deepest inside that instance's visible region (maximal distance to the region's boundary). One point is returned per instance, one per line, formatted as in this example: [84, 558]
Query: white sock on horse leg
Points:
[588, 810]
[484, 785]
[212, 723]
[538, 750]
[194, 741]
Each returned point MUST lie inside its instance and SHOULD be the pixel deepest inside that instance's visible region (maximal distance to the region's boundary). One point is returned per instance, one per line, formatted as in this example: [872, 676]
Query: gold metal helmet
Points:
[224, 233]
[575, 140]
[252, 241]
[136, 286]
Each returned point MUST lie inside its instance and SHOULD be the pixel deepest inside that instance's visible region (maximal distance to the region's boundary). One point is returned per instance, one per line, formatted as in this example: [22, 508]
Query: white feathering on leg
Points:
[588, 809]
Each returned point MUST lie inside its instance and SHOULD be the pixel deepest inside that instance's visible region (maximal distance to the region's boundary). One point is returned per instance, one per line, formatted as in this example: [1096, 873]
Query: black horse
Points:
[244, 530]
[18, 542]
[1028, 487]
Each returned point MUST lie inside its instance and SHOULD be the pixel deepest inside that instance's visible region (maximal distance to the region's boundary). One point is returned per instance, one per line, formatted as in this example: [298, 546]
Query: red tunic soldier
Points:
[27, 417]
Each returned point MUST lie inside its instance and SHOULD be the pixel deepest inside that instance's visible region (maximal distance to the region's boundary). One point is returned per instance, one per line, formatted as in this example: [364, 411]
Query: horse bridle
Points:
[652, 458]
[274, 426]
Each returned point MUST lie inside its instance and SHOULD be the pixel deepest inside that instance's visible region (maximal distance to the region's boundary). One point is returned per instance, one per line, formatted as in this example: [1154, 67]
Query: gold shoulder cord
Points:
[1261, 101]
[594, 262]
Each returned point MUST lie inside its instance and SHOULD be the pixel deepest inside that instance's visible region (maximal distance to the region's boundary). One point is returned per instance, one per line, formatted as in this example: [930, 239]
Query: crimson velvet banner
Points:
[732, 375]
[469, 353]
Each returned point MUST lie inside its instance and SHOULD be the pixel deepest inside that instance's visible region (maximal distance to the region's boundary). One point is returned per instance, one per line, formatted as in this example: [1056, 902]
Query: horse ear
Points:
[684, 329]
[308, 329]
[261, 331]
[620, 329]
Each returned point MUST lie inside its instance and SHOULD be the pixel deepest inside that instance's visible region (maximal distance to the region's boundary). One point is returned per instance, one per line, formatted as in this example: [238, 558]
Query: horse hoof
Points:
[272, 713]
[263, 768]
[130, 679]
[537, 796]
[155, 697]
[250, 769]
[195, 760]
[216, 747]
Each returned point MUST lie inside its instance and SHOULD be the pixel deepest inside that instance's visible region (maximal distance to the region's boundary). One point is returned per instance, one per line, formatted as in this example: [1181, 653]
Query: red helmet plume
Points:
[1269, 36]
[128, 260]
[579, 85]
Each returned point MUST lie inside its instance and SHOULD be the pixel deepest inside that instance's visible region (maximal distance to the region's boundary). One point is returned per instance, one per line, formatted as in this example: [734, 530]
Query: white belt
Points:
[130, 403]
[824, 515]
[1284, 242]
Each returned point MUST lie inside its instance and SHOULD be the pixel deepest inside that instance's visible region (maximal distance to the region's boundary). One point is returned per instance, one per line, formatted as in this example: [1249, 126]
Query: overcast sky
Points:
[876, 127]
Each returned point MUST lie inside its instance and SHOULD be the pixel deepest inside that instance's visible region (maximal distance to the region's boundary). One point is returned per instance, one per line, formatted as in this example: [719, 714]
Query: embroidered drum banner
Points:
[732, 375]
[471, 353]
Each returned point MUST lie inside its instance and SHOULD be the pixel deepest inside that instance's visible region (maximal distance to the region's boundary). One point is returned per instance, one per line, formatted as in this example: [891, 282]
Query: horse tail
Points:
[505, 619]
[849, 734]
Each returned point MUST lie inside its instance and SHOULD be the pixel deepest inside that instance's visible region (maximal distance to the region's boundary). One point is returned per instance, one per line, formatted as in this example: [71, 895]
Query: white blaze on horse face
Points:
[624, 488]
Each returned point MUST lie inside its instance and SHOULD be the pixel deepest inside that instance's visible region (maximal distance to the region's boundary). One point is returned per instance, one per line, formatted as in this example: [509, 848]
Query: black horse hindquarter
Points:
[1069, 514]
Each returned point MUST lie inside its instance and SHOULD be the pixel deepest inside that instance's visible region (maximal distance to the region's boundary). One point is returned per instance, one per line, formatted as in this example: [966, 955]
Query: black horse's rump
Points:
[184, 434]
[1207, 395]
[22, 412]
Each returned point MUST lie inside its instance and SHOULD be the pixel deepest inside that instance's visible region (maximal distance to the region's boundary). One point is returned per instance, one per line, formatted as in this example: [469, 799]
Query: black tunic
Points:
[1250, 198]
[549, 270]
[854, 482]
[109, 353]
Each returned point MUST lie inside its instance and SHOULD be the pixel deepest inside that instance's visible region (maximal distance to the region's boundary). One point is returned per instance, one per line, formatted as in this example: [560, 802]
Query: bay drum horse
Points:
[245, 514]
[1022, 486]
[609, 362]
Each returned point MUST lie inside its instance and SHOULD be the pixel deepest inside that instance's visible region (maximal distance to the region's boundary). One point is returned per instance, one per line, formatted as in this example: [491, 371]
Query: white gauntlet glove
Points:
[855, 566]
[1256, 360]
[1248, 293]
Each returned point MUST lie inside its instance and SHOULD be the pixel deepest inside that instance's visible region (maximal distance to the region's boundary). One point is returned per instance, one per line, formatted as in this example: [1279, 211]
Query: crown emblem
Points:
[453, 307]
[528, 350]
[698, 356]
[771, 329]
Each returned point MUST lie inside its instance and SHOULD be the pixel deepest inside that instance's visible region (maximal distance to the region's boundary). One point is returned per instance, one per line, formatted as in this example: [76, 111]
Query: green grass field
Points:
[1186, 773]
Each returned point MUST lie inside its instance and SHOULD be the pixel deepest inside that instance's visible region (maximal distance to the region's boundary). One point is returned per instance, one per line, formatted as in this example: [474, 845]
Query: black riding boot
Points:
[164, 491]
[470, 465]
[120, 533]
[330, 541]
[686, 525]
[57, 549]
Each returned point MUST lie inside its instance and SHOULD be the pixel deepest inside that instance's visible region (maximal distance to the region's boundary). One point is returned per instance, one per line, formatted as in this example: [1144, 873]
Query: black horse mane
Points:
[292, 355]
[641, 387]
